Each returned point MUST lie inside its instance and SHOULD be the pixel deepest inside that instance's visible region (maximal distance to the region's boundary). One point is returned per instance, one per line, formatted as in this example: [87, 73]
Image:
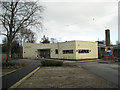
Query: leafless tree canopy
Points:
[16, 16]
[25, 35]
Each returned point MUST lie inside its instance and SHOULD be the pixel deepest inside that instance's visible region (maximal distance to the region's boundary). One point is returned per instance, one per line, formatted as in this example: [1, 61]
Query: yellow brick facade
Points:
[91, 46]
[31, 50]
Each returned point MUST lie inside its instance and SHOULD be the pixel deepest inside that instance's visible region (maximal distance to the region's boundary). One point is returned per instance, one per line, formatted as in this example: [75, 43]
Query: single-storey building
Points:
[71, 50]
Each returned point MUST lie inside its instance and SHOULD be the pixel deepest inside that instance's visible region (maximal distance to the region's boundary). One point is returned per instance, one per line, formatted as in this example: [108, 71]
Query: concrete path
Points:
[10, 79]
[108, 72]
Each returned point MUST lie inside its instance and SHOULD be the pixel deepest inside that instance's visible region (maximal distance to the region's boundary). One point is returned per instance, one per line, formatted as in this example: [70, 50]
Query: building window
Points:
[56, 51]
[84, 51]
[67, 51]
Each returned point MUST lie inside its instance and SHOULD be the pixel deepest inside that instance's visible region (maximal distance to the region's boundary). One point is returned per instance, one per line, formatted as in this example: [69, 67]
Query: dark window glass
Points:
[84, 51]
[56, 51]
[67, 51]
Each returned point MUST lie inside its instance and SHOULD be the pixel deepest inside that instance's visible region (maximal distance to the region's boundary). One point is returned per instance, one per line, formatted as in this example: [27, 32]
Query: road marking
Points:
[27, 76]
[9, 72]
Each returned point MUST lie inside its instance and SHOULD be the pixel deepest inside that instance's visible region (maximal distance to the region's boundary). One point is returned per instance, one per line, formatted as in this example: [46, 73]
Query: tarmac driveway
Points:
[108, 72]
[10, 79]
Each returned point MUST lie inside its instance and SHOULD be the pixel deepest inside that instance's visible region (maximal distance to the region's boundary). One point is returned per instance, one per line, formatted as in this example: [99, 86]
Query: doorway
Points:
[44, 53]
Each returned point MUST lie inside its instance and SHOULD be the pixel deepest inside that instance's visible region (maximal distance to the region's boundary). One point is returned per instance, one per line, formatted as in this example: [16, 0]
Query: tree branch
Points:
[4, 34]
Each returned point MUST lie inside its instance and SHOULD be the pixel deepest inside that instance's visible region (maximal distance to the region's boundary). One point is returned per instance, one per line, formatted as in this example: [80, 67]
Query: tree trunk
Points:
[9, 46]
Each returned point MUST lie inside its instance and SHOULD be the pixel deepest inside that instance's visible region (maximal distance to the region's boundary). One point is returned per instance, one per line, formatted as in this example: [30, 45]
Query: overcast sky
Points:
[80, 20]
[84, 20]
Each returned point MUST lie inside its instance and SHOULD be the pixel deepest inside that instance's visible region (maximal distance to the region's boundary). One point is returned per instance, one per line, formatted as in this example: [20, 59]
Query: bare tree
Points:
[26, 35]
[54, 40]
[18, 15]
[30, 37]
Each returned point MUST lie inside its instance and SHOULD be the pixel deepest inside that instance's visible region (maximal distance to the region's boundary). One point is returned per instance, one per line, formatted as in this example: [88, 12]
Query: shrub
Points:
[51, 63]
[10, 64]
[6, 64]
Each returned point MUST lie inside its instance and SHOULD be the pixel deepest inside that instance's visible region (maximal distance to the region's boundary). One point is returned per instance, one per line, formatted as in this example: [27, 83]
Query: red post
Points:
[6, 58]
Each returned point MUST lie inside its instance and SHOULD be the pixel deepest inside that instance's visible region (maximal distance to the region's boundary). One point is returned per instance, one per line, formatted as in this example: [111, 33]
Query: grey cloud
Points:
[73, 20]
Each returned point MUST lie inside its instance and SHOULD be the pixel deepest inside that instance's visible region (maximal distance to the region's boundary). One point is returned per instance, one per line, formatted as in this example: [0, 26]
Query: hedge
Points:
[51, 63]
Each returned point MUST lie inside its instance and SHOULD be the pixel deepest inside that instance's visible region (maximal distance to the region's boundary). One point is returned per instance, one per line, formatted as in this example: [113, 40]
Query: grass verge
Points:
[13, 65]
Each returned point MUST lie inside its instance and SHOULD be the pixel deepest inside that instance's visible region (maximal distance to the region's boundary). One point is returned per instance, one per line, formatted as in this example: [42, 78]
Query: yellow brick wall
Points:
[86, 46]
[30, 50]
[66, 46]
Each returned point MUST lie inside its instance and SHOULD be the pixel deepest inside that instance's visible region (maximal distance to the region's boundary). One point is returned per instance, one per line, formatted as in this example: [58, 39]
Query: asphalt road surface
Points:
[108, 72]
[10, 79]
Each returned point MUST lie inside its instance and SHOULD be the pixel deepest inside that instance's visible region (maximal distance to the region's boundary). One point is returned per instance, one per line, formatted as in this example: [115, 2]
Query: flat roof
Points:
[64, 42]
